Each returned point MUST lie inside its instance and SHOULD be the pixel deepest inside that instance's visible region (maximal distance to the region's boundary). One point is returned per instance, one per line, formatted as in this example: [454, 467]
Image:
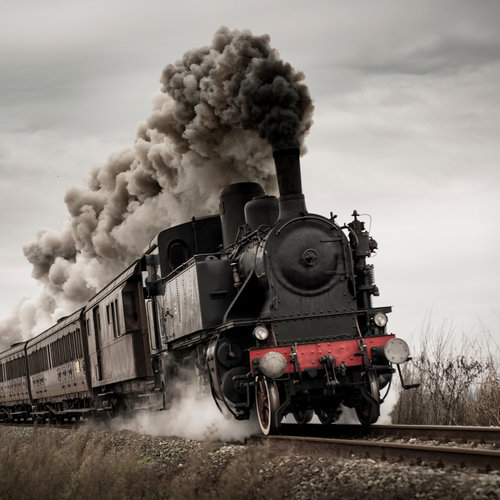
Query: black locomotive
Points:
[267, 305]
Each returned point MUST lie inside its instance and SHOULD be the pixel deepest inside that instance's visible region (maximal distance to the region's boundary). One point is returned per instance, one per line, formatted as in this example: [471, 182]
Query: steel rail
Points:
[477, 458]
[459, 434]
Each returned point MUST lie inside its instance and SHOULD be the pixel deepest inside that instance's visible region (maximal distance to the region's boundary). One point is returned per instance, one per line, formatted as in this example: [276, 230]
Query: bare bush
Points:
[460, 384]
[485, 409]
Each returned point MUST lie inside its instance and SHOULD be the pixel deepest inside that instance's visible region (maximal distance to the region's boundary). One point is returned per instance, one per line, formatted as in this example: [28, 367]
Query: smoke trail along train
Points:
[210, 125]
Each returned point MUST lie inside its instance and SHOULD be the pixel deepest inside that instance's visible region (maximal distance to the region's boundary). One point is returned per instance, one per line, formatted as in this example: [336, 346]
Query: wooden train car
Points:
[15, 403]
[58, 370]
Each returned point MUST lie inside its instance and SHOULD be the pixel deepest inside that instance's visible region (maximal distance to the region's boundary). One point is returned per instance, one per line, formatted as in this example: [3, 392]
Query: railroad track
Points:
[454, 433]
[472, 447]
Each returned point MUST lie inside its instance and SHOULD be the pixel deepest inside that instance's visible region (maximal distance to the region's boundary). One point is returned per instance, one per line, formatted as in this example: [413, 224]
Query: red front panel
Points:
[308, 355]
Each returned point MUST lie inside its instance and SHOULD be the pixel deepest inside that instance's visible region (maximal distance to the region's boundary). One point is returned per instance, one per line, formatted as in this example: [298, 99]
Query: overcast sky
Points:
[406, 127]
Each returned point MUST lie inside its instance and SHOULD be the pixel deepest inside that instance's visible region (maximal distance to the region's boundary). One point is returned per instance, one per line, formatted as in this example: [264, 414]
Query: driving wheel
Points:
[267, 402]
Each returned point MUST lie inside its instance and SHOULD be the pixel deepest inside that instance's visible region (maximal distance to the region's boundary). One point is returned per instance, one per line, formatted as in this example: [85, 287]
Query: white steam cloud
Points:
[218, 114]
[193, 416]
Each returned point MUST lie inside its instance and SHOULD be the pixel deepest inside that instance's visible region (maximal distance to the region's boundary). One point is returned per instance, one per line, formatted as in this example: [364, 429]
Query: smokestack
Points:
[291, 201]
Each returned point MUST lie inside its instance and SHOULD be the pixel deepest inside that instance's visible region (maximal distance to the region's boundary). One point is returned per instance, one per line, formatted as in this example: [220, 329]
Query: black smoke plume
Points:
[220, 111]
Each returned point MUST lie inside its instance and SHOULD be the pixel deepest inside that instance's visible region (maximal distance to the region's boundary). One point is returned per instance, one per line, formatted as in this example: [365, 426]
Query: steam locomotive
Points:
[268, 306]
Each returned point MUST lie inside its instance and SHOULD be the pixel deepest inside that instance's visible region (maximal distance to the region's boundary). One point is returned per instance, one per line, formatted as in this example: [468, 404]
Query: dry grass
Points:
[83, 464]
[46, 467]
[460, 382]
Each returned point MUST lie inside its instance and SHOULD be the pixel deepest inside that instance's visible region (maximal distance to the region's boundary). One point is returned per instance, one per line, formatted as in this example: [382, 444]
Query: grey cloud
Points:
[438, 54]
[54, 93]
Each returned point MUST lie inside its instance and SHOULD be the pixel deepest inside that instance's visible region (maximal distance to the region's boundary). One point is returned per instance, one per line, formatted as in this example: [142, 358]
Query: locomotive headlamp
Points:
[396, 351]
[380, 319]
[261, 332]
[272, 364]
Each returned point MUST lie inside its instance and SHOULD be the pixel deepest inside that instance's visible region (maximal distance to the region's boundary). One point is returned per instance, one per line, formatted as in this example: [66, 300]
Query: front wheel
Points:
[369, 410]
[267, 401]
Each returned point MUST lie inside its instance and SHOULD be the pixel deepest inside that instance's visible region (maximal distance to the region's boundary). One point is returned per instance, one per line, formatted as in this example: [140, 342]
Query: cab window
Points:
[130, 311]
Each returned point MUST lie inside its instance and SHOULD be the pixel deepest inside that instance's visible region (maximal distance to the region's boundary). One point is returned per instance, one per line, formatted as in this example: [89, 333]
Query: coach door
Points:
[96, 316]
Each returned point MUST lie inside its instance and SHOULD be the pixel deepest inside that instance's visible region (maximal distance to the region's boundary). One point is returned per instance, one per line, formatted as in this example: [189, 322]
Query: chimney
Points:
[291, 201]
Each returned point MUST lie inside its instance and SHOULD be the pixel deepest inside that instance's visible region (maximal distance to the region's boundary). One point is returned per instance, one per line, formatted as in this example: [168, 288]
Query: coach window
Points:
[65, 347]
[53, 349]
[45, 359]
[78, 340]
[114, 312]
[32, 362]
[130, 311]
[72, 349]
